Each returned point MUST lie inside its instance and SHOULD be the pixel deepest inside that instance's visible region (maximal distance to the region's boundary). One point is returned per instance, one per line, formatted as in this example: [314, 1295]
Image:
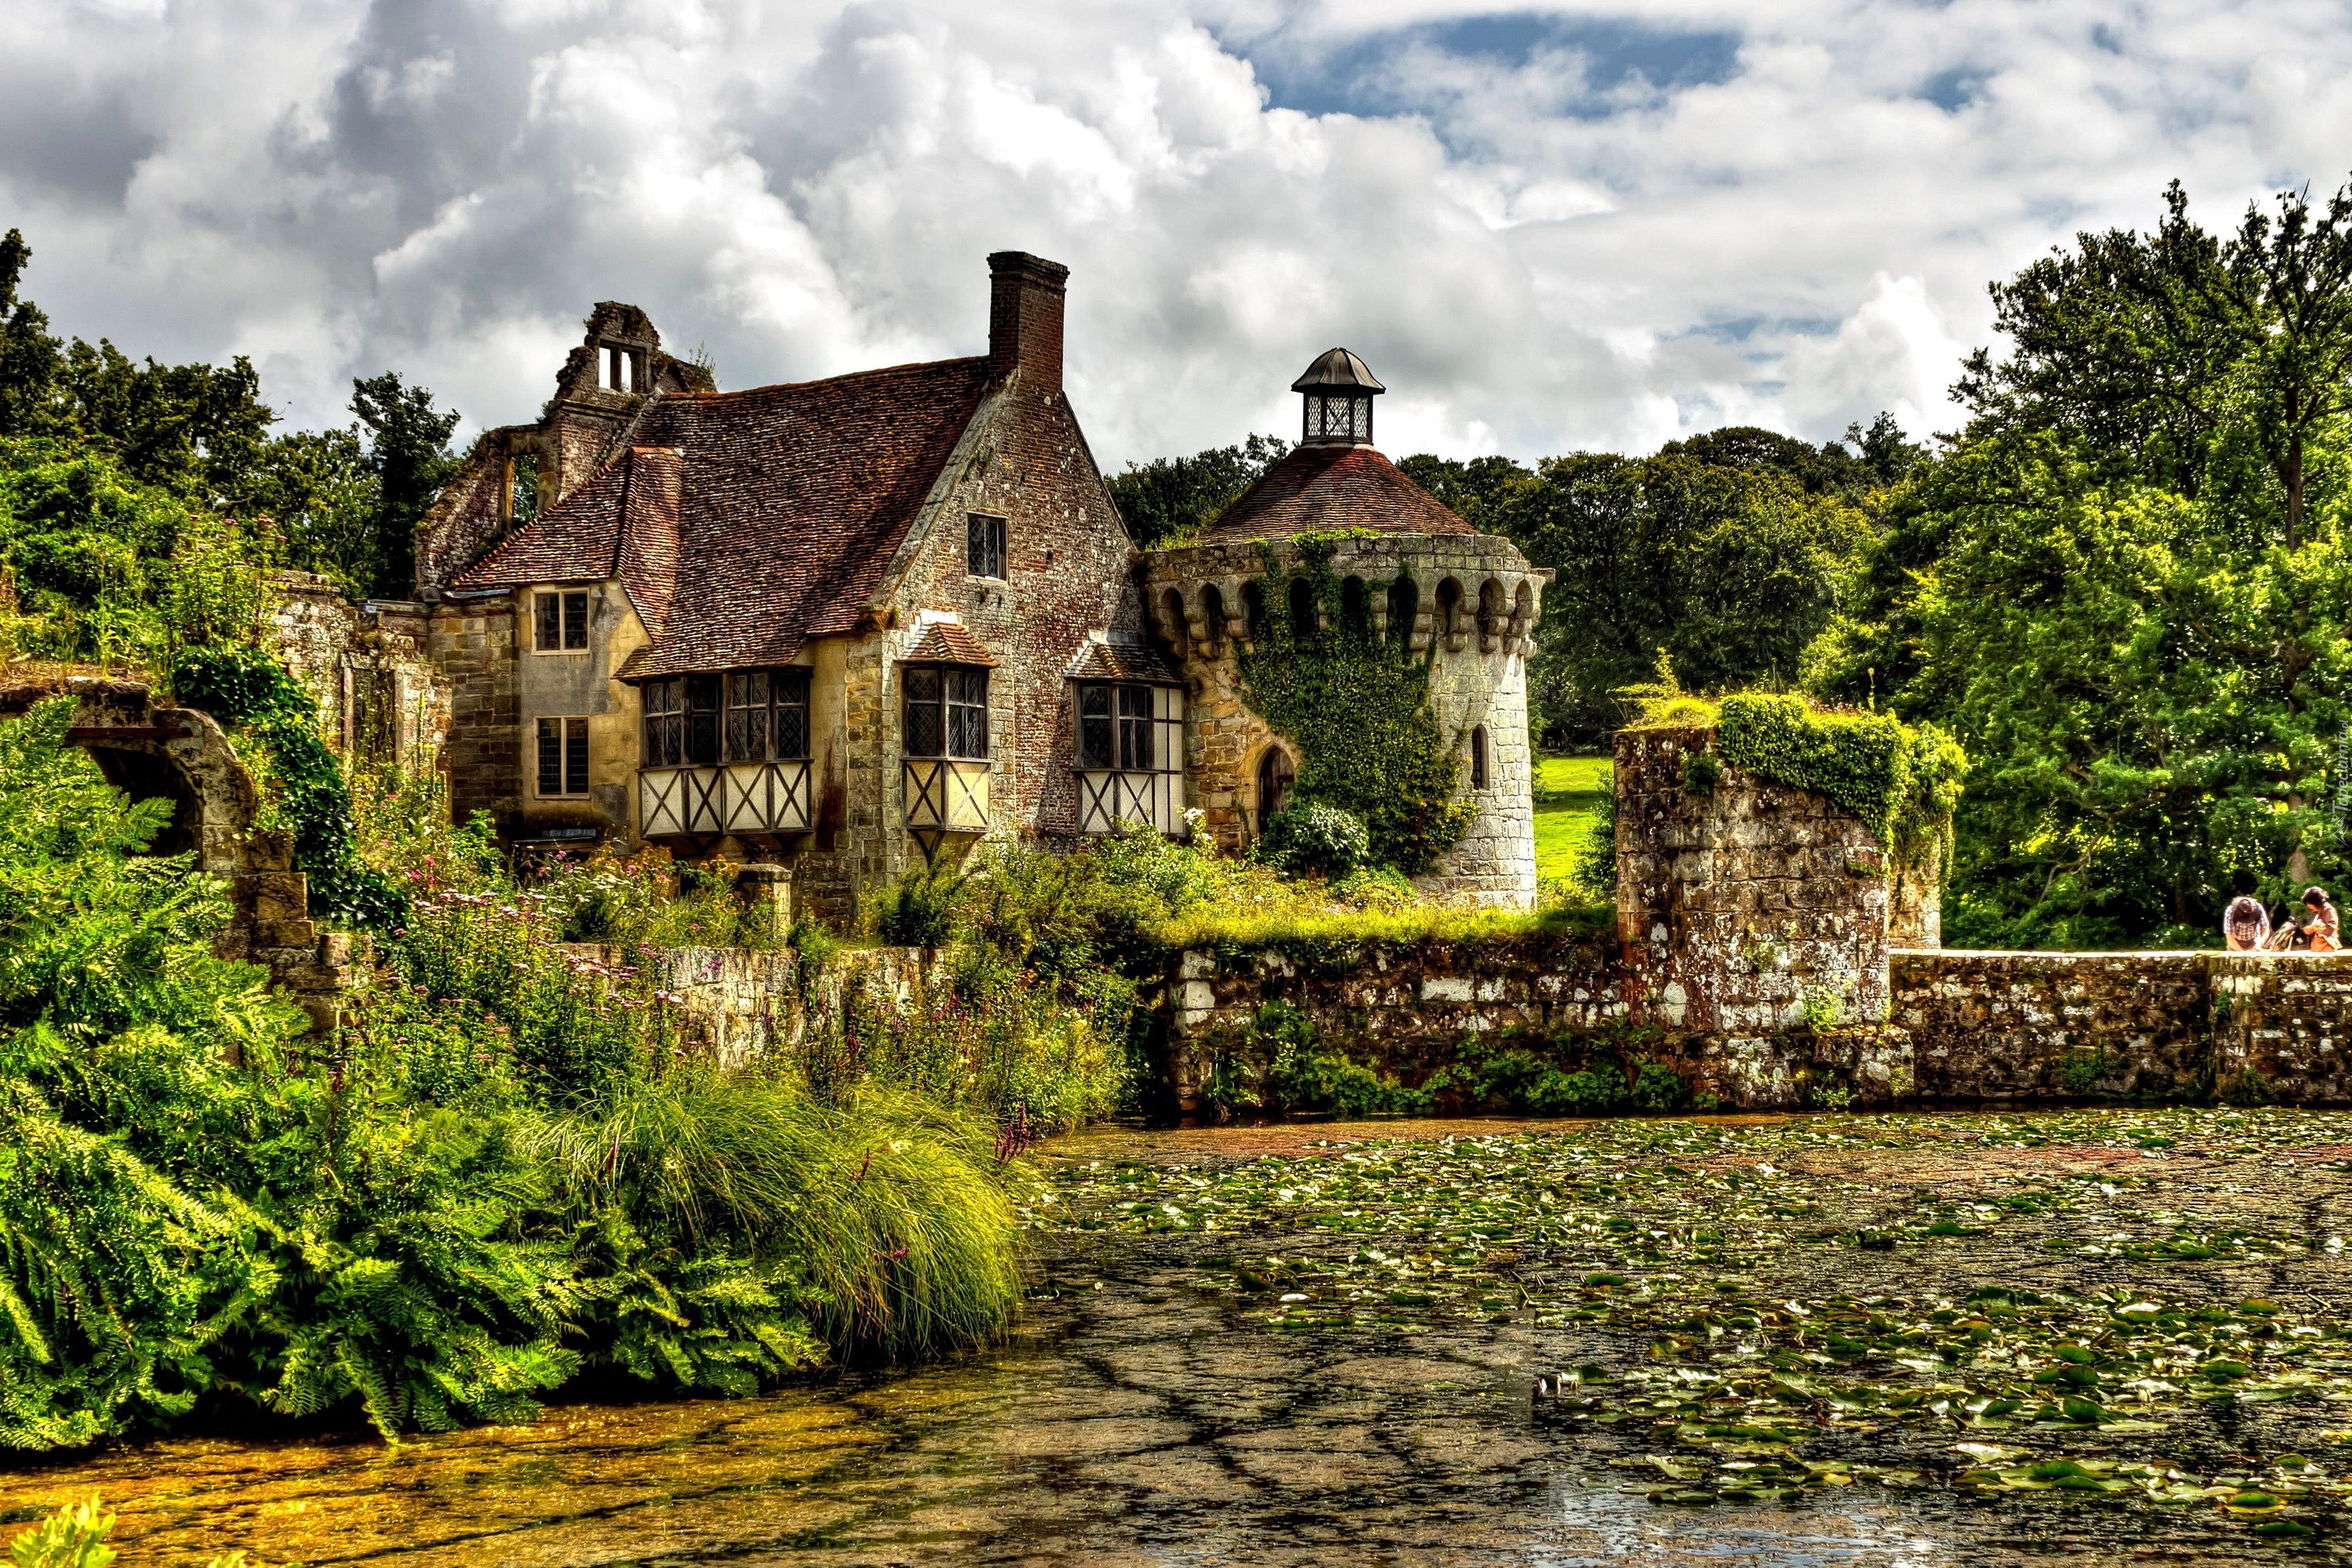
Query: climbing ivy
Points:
[1357, 707]
[1904, 783]
[247, 688]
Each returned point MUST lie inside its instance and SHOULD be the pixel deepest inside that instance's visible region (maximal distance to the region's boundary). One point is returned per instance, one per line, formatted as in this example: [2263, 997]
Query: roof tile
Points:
[947, 642]
[778, 510]
[1329, 489]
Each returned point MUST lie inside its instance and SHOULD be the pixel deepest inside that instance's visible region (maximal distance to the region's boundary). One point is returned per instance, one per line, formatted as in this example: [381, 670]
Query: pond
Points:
[1832, 1340]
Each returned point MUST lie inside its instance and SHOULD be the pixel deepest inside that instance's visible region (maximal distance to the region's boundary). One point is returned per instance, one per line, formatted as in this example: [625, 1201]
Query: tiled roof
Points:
[647, 559]
[1320, 489]
[947, 642]
[771, 513]
[570, 542]
[1122, 661]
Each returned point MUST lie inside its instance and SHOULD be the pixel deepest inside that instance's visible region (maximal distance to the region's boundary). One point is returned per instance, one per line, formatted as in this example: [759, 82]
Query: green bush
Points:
[919, 909]
[308, 795]
[1314, 837]
[506, 1169]
[1302, 1076]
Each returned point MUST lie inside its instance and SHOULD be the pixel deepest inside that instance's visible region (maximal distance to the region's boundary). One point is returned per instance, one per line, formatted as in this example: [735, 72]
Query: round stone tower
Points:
[1413, 578]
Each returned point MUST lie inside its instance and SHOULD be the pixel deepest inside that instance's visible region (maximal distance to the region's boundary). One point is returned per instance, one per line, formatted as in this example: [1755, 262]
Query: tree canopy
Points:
[2124, 586]
[84, 427]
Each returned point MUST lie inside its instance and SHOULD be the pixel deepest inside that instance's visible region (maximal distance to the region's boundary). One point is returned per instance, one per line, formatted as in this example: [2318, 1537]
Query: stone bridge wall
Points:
[2004, 1027]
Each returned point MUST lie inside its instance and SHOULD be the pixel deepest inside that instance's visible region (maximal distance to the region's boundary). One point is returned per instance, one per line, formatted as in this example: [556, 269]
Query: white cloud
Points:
[1587, 226]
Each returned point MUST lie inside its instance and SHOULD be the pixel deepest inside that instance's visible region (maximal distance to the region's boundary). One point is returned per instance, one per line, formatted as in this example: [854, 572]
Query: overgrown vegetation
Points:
[114, 475]
[508, 1169]
[2123, 589]
[1357, 706]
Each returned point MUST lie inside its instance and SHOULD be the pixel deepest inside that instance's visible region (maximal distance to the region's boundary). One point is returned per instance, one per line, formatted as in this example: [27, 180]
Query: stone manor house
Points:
[829, 630]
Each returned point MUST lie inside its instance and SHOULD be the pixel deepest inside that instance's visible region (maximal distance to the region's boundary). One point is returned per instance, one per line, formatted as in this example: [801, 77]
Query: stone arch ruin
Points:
[149, 751]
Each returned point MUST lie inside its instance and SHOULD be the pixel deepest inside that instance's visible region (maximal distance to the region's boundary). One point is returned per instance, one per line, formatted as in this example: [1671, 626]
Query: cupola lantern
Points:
[1339, 388]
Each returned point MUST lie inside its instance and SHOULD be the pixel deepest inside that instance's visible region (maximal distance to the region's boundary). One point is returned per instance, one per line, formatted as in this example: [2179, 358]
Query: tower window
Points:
[1478, 757]
[560, 623]
[985, 546]
[563, 757]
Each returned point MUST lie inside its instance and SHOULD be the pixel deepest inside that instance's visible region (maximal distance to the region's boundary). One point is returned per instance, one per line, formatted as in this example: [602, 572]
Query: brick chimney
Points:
[1024, 317]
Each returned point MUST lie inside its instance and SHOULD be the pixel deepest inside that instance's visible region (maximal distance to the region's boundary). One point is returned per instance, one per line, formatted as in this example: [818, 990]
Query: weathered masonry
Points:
[1763, 950]
[150, 752]
[1411, 574]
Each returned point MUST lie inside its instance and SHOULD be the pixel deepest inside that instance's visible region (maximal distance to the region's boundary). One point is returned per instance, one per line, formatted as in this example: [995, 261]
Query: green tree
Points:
[1167, 500]
[2179, 355]
[2123, 588]
[1731, 568]
[408, 454]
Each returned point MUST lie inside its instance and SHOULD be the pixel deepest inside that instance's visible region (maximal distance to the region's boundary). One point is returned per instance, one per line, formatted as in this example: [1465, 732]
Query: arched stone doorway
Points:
[180, 754]
[1277, 775]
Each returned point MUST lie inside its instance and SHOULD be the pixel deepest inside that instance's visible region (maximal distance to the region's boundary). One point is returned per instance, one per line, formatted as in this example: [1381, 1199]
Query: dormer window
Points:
[1339, 389]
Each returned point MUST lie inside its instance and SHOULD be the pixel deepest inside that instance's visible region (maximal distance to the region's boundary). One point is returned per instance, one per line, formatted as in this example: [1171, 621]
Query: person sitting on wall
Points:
[2246, 925]
[2321, 933]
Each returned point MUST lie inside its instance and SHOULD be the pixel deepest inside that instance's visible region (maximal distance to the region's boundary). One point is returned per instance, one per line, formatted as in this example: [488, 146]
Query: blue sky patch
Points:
[1350, 79]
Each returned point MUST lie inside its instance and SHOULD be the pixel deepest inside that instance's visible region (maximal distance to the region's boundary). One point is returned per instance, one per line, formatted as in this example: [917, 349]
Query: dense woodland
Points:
[2122, 584]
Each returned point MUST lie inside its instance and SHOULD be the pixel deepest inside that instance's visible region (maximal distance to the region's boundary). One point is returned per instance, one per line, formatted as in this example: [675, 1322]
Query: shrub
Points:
[917, 909]
[503, 1169]
[1311, 836]
[1302, 1076]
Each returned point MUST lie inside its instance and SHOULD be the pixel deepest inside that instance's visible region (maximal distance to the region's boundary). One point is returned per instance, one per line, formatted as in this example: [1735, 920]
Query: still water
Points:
[1135, 1416]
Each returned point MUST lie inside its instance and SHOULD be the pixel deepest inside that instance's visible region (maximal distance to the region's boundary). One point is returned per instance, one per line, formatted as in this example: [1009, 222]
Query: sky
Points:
[1590, 226]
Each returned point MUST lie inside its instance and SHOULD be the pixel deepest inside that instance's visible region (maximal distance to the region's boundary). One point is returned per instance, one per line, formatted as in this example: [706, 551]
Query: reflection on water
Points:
[1146, 1422]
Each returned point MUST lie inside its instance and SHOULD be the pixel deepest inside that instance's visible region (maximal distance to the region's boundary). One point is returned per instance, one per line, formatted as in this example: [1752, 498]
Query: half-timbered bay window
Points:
[726, 754]
[1131, 741]
[681, 721]
[1115, 728]
[766, 715]
[947, 711]
[944, 736]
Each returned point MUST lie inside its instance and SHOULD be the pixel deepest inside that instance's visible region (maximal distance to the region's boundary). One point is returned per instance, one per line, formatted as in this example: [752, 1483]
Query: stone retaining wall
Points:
[2001, 1026]
[1404, 1008]
[748, 1002]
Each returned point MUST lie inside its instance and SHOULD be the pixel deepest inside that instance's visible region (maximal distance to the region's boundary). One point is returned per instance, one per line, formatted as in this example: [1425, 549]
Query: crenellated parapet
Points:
[1450, 593]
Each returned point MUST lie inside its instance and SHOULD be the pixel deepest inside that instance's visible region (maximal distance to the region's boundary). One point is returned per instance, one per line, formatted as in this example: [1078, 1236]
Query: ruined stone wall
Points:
[366, 665]
[1740, 906]
[471, 642]
[152, 751]
[747, 1004]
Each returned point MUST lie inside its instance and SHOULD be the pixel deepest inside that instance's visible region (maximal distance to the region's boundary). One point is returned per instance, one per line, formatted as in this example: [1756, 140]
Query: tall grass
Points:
[893, 1207]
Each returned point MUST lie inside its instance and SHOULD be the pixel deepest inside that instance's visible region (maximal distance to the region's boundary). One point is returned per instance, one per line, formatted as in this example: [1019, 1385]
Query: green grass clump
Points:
[889, 1208]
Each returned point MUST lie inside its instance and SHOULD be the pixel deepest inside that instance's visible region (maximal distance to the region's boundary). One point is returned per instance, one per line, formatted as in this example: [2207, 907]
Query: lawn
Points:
[1568, 798]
